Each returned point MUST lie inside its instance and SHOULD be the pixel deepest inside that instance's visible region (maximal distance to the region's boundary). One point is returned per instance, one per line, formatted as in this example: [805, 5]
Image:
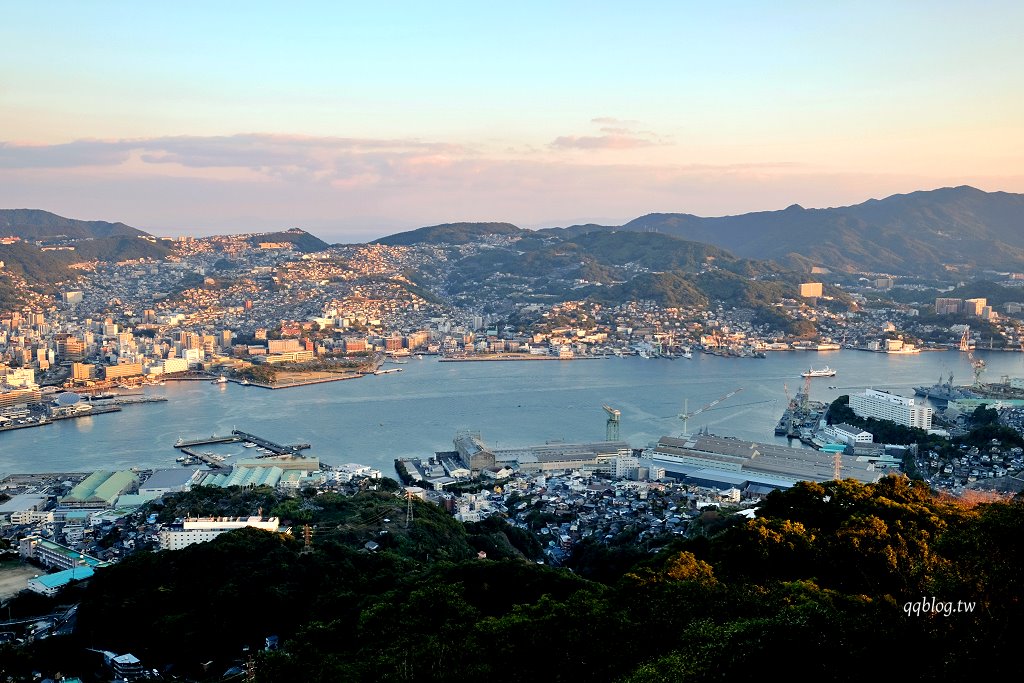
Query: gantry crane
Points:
[685, 416]
[611, 428]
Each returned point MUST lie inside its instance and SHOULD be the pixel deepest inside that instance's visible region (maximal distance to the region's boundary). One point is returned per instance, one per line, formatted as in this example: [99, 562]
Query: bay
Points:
[377, 418]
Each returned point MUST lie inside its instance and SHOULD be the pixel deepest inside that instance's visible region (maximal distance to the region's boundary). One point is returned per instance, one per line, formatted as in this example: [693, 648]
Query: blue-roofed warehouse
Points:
[50, 584]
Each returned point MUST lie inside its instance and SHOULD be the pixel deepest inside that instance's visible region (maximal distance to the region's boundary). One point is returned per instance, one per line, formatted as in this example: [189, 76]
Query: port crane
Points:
[977, 364]
[686, 415]
[611, 428]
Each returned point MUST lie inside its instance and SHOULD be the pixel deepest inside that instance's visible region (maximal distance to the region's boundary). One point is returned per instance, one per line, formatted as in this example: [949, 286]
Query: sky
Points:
[357, 120]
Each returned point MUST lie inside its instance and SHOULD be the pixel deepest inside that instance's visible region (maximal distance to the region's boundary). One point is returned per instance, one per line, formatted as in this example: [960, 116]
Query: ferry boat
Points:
[823, 372]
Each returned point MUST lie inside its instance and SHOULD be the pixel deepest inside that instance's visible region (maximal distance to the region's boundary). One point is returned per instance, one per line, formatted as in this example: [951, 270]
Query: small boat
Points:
[220, 380]
[250, 445]
[244, 382]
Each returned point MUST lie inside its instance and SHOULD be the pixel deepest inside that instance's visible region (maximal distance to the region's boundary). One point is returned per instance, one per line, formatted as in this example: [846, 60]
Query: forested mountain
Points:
[37, 225]
[34, 264]
[827, 579]
[912, 233]
[610, 267]
[299, 239]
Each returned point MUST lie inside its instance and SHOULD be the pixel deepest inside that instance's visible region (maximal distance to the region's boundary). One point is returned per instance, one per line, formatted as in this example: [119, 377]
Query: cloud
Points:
[281, 156]
[608, 141]
[612, 121]
[67, 155]
[616, 134]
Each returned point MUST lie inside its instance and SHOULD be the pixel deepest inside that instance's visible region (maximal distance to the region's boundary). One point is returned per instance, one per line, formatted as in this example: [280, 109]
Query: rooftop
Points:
[760, 461]
[165, 479]
[65, 577]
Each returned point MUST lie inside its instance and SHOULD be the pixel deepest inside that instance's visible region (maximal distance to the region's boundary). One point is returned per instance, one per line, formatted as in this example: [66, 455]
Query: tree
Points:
[983, 415]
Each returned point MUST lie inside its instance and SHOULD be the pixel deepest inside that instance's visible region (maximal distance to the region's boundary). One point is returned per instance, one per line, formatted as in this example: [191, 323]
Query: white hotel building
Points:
[202, 529]
[882, 405]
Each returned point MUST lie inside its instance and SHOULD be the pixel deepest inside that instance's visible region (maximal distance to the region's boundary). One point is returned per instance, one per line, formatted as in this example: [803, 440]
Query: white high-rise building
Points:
[882, 405]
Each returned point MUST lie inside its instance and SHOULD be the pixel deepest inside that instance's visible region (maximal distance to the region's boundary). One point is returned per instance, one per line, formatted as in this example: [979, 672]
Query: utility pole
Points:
[408, 509]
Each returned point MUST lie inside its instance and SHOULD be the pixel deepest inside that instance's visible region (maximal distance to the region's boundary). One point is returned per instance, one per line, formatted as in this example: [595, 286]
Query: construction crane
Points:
[685, 415]
[611, 428]
[978, 365]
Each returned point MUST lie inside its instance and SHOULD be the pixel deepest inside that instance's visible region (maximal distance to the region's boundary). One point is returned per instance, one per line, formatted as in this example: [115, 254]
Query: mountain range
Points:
[920, 233]
[923, 233]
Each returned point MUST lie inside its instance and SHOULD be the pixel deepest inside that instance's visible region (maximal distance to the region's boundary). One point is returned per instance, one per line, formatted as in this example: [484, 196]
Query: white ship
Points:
[824, 372]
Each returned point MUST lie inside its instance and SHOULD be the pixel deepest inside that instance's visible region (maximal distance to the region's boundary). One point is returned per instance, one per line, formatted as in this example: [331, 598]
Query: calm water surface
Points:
[415, 412]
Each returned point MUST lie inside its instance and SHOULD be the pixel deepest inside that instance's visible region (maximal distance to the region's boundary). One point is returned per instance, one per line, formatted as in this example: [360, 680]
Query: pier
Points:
[210, 460]
[237, 436]
[133, 399]
[183, 444]
[275, 448]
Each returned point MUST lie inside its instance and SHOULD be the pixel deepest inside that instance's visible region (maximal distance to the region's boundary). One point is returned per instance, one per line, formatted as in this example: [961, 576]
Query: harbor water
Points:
[377, 418]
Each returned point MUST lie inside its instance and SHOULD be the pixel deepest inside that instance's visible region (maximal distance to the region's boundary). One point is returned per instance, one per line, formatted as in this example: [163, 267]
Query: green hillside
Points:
[36, 265]
[449, 233]
[822, 583]
[300, 240]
